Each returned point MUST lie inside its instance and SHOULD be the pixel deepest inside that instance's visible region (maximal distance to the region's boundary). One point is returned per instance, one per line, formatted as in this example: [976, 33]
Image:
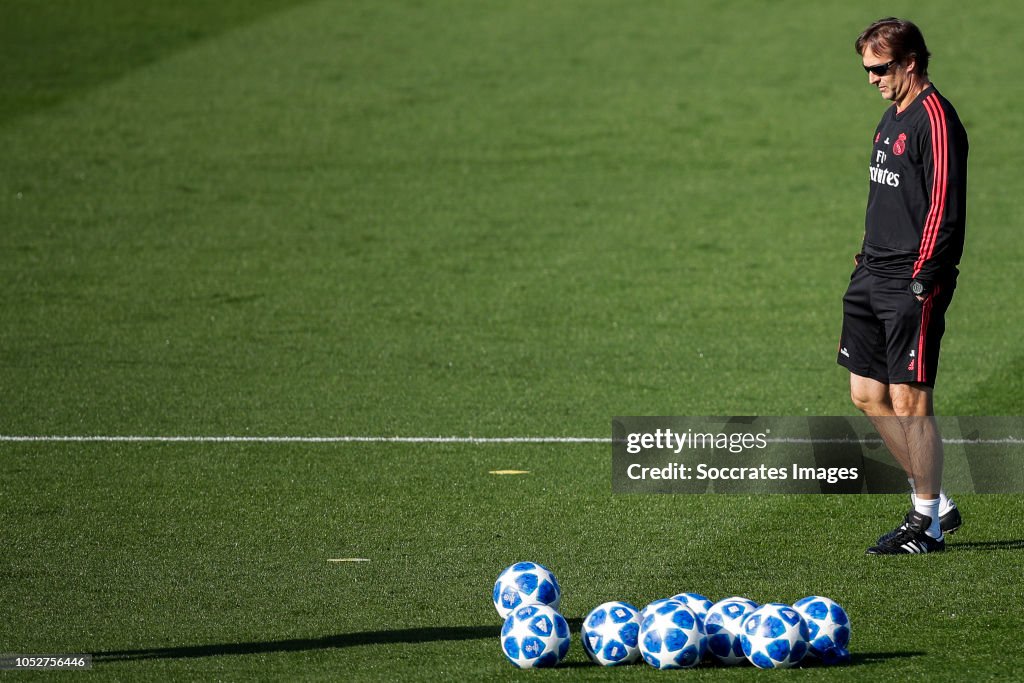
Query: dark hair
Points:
[900, 38]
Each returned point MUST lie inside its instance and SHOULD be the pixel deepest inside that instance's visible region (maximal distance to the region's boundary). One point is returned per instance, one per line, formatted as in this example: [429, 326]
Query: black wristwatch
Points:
[916, 288]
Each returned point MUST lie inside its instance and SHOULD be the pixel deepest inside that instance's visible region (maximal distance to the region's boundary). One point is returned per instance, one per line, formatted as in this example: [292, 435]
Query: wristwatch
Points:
[916, 288]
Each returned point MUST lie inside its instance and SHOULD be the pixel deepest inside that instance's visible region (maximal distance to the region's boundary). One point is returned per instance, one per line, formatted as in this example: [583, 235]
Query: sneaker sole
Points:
[876, 551]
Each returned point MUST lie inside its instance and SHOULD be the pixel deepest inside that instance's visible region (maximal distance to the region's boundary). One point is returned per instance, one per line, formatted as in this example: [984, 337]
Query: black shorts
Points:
[888, 334]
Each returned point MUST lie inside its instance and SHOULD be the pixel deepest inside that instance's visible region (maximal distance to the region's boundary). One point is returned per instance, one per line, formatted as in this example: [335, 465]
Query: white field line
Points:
[307, 439]
[71, 438]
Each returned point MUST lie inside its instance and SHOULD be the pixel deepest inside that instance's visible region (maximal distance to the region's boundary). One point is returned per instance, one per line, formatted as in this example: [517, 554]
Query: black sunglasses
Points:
[879, 69]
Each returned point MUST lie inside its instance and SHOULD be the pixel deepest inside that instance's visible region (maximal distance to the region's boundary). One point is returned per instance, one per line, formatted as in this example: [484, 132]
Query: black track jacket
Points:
[917, 204]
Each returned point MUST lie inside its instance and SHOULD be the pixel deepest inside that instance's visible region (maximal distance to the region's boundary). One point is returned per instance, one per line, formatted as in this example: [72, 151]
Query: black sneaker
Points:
[948, 523]
[951, 521]
[910, 538]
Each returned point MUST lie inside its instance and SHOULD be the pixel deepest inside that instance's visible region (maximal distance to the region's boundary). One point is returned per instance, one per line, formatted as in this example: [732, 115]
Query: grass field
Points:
[457, 218]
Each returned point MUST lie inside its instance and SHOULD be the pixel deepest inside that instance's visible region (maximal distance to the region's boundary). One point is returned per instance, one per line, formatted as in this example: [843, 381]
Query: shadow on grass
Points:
[856, 659]
[974, 546]
[407, 635]
[861, 658]
[809, 662]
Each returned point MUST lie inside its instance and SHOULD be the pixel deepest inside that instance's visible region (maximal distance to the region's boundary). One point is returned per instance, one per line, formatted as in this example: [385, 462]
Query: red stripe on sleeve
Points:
[940, 177]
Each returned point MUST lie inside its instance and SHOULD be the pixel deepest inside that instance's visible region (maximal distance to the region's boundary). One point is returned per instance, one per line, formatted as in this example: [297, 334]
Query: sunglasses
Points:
[879, 69]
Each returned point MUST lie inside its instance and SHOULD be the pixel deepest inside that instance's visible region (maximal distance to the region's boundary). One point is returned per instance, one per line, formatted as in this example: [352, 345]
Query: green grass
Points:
[216, 563]
[458, 218]
[63, 48]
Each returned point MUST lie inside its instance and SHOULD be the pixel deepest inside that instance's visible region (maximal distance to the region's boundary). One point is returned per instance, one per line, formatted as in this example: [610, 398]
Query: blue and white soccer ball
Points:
[672, 637]
[661, 604]
[774, 636]
[696, 602]
[611, 634]
[722, 626]
[740, 598]
[535, 636]
[828, 626]
[525, 583]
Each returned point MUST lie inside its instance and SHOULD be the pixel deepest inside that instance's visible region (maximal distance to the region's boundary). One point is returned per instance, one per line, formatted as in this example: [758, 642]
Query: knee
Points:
[902, 407]
[869, 403]
[870, 396]
[911, 401]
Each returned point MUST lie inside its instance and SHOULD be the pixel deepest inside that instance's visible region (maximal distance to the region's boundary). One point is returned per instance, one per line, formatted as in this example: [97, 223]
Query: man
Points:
[893, 310]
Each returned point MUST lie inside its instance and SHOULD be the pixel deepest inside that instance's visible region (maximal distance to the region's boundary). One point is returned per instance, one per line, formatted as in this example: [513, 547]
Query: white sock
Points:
[929, 508]
[945, 503]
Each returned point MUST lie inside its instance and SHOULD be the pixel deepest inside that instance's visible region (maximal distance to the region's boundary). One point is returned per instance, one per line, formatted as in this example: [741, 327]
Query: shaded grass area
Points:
[56, 50]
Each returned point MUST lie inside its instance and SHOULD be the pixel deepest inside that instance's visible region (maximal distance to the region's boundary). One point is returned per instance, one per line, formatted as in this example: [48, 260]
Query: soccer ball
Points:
[828, 626]
[722, 626]
[672, 637]
[535, 636]
[525, 583]
[662, 604]
[740, 598]
[696, 602]
[774, 636]
[610, 634]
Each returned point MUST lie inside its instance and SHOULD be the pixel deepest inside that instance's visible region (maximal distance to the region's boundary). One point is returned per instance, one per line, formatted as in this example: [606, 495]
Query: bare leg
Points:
[904, 417]
[913, 406]
[874, 400]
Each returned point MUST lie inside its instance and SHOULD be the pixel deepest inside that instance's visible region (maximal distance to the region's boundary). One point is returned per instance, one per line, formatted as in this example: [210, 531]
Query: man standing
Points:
[894, 308]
